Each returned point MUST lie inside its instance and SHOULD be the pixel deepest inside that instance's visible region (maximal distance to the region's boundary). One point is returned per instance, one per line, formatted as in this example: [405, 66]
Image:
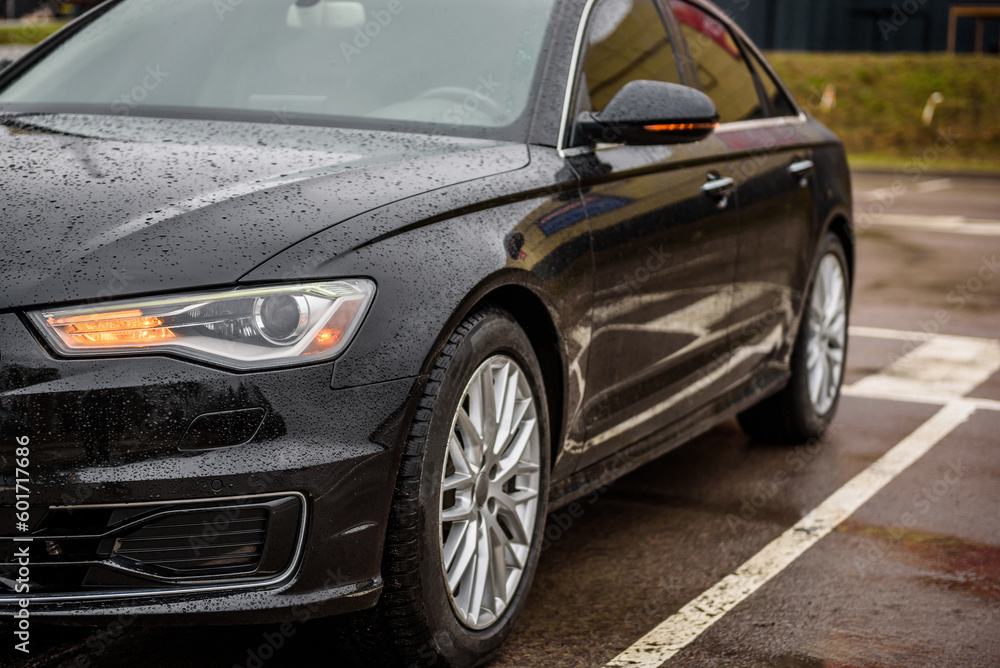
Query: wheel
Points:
[469, 506]
[805, 408]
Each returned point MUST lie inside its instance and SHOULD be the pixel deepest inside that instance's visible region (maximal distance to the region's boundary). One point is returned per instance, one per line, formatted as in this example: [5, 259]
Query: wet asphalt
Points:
[872, 593]
[13, 52]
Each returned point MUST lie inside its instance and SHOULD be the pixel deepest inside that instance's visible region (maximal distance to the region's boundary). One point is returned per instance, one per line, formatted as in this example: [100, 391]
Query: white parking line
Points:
[924, 187]
[883, 333]
[679, 630]
[978, 404]
[942, 369]
[935, 186]
[945, 386]
[948, 224]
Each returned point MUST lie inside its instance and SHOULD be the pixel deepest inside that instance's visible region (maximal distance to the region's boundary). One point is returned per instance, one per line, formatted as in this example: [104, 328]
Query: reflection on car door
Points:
[774, 172]
[665, 228]
[771, 160]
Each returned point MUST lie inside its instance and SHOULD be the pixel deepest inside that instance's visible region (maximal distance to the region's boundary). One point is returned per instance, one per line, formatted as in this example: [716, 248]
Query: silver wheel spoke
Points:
[507, 506]
[482, 572]
[525, 468]
[520, 408]
[456, 539]
[813, 355]
[457, 513]
[458, 481]
[517, 419]
[824, 379]
[516, 562]
[465, 556]
[498, 572]
[489, 492]
[489, 406]
[475, 397]
[835, 356]
[827, 329]
[836, 368]
[834, 290]
[820, 290]
[467, 578]
[456, 453]
[506, 411]
[511, 458]
[472, 438]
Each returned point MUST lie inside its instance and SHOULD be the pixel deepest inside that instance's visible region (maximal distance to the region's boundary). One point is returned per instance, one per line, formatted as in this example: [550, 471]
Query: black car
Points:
[316, 308]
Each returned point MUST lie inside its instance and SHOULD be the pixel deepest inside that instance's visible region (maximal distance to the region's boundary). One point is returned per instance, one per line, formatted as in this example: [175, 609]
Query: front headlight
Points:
[246, 328]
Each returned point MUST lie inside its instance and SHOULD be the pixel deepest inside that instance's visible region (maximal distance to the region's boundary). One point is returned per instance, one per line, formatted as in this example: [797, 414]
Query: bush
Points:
[28, 33]
[881, 98]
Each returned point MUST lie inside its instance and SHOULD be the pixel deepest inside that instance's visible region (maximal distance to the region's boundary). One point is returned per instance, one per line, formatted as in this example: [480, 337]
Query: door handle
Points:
[719, 188]
[802, 170]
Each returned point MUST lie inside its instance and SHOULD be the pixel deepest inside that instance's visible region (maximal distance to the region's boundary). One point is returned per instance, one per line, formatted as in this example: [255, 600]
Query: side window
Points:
[626, 41]
[780, 104]
[725, 74]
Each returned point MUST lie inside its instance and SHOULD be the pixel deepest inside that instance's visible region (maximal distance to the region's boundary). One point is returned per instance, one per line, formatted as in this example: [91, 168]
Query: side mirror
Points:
[646, 113]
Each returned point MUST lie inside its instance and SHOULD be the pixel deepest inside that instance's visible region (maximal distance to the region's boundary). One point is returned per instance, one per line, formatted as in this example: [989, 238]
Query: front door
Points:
[772, 164]
[665, 224]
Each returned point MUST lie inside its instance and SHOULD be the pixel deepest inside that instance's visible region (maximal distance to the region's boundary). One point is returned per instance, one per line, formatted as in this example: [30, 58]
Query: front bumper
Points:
[148, 440]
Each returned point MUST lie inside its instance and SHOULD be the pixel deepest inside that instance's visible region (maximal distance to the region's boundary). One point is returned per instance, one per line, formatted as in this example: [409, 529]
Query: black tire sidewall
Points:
[453, 642]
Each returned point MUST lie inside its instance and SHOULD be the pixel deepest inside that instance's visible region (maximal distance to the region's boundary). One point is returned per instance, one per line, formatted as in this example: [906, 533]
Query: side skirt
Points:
[729, 405]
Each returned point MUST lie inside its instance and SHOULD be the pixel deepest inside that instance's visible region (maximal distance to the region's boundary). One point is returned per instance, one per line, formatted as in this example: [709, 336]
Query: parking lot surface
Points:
[13, 52]
[879, 546]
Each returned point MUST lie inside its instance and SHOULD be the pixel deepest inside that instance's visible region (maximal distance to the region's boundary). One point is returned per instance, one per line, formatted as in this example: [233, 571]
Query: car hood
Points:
[94, 207]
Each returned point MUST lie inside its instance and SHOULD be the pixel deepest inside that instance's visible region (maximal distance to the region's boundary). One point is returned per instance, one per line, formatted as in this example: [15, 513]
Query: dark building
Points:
[859, 25]
[64, 8]
[11, 9]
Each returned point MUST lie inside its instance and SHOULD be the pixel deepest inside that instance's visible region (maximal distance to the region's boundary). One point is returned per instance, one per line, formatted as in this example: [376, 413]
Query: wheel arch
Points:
[840, 225]
[534, 318]
[517, 293]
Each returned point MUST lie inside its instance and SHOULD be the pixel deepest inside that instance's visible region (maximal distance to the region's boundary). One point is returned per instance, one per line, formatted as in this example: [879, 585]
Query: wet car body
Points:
[654, 313]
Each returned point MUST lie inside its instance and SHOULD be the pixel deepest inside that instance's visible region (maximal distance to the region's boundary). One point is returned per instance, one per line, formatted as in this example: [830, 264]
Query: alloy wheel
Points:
[489, 492]
[827, 334]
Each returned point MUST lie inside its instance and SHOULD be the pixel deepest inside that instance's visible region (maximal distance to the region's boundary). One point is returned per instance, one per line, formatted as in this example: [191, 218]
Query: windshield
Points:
[462, 67]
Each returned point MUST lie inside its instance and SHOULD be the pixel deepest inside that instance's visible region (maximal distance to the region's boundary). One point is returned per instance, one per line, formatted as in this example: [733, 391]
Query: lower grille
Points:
[118, 548]
[200, 542]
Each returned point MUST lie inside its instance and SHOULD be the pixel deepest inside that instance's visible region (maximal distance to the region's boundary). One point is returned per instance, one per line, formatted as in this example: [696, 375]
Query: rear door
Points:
[772, 166]
[665, 228]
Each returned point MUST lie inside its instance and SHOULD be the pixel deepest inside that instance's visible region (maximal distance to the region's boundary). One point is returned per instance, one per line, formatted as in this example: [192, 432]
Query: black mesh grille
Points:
[210, 541]
[115, 548]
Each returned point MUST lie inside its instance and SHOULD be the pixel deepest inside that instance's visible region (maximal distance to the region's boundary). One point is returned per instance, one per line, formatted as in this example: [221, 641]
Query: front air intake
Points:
[204, 542]
[160, 546]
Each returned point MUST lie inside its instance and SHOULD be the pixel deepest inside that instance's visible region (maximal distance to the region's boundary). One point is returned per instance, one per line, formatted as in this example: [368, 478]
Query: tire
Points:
[798, 413]
[419, 620]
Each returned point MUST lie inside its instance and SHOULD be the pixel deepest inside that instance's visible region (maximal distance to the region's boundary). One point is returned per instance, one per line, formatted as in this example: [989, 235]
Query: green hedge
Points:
[881, 98]
[27, 33]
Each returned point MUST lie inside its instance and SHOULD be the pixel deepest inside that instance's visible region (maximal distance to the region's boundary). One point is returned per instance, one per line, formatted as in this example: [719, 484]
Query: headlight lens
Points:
[246, 328]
